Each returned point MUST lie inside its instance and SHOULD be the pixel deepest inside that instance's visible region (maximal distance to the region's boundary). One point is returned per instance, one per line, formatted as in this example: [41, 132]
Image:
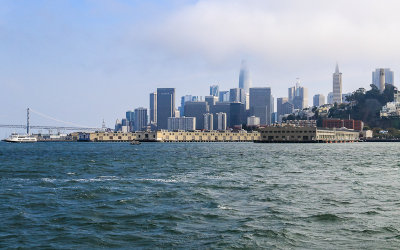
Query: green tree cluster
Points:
[364, 105]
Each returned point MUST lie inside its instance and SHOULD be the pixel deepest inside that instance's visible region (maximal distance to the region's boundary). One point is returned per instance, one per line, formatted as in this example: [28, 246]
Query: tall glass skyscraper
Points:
[237, 95]
[165, 106]
[244, 77]
[261, 104]
[140, 119]
[214, 90]
[153, 108]
[130, 117]
[224, 96]
[298, 96]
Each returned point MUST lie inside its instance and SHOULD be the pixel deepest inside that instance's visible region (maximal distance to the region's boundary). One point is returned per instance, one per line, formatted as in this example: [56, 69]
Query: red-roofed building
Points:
[337, 123]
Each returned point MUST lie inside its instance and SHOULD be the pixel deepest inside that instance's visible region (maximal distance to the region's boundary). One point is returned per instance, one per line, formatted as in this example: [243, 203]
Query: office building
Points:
[197, 109]
[330, 98]
[184, 99]
[237, 114]
[253, 121]
[337, 86]
[244, 77]
[298, 96]
[279, 108]
[221, 107]
[130, 117]
[118, 125]
[211, 100]
[124, 125]
[221, 121]
[182, 123]
[318, 100]
[384, 75]
[208, 121]
[214, 90]
[260, 104]
[344, 97]
[287, 108]
[274, 118]
[153, 108]
[140, 119]
[224, 96]
[165, 106]
[237, 95]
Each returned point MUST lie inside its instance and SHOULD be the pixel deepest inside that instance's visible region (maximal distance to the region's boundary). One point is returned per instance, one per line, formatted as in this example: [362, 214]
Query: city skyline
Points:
[50, 50]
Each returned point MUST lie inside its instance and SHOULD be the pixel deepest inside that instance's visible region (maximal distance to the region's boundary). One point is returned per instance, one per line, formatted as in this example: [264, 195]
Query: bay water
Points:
[200, 195]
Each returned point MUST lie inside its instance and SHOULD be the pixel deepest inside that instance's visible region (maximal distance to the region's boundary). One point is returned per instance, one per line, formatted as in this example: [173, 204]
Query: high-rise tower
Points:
[140, 119]
[298, 96]
[153, 108]
[244, 77]
[165, 106]
[260, 104]
[337, 86]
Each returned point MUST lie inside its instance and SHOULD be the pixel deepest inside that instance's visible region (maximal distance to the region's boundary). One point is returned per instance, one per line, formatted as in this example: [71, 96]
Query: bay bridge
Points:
[28, 127]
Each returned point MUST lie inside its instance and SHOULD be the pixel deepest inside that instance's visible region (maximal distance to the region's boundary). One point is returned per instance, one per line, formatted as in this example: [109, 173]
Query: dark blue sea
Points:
[200, 195]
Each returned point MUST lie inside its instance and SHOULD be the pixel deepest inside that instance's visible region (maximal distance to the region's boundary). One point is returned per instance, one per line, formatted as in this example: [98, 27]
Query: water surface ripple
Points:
[200, 195]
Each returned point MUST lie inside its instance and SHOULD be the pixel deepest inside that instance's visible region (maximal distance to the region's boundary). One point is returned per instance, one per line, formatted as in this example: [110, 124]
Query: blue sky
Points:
[82, 61]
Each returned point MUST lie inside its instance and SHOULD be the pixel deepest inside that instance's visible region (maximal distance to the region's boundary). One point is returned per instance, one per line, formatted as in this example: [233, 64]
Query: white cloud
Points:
[285, 30]
[282, 40]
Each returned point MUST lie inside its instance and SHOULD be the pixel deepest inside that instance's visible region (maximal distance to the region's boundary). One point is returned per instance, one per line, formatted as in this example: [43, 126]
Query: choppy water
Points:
[200, 195]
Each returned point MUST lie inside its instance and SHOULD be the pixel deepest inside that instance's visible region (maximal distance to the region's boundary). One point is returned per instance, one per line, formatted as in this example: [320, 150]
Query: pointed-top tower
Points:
[337, 85]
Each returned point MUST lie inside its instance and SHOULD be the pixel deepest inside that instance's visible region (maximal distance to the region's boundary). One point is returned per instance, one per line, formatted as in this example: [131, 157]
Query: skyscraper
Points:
[279, 107]
[153, 108]
[330, 98]
[186, 98]
[260, 104]
[388, 79]
[165, 106]
[237, 114]
[221, 121]
[140, 119]
[197, 109]
[287, 108]
[214, 90]
[244, 77]
[237, 95]
[298, 96]
[208, 121]
[211, 100]
[221, 107]
[318, 100]
[130, 117]
[337, 86]
[224, 96]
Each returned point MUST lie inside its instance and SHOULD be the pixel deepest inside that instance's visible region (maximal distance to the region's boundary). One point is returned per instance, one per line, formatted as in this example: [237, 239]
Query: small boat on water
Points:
[135, 143]
[18, 138]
